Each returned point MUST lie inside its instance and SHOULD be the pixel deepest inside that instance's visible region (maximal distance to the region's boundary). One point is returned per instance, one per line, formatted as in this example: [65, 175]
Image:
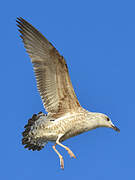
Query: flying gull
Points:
[66, 118]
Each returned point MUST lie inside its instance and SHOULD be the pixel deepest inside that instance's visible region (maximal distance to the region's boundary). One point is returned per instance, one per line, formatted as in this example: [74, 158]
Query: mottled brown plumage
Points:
[65, 118]
[51, 71]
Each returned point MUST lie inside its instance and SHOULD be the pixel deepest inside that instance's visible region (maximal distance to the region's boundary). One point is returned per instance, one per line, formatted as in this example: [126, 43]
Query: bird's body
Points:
[47, 128]
[66, 118]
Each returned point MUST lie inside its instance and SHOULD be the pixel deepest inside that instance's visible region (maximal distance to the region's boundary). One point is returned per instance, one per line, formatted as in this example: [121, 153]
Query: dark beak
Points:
[115, 128]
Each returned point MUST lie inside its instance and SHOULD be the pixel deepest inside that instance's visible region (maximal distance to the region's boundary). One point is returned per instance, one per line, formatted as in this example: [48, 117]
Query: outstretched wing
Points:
[51, 71]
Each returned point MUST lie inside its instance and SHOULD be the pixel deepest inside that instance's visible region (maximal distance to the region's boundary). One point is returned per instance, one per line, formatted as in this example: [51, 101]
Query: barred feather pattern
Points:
[51, 71]
[29, 135]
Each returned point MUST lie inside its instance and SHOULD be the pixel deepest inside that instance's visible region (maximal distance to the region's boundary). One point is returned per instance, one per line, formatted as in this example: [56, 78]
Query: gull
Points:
[65, 116]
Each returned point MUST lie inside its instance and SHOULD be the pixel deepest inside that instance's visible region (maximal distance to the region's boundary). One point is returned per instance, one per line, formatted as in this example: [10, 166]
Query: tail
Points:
[28, 136]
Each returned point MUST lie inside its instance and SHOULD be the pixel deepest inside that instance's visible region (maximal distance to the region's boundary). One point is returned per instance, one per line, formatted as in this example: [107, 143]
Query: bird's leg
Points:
[67, 149]
[60, 156]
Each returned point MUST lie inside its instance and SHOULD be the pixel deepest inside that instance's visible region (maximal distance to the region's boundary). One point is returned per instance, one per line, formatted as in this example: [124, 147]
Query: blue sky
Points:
[97, 39]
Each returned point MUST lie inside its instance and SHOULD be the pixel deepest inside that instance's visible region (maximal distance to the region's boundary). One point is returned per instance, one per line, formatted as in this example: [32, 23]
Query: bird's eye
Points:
[108, 119]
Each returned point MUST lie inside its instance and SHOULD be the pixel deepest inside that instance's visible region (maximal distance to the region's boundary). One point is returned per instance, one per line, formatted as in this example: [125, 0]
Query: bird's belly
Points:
[71, 133]
[50, 136]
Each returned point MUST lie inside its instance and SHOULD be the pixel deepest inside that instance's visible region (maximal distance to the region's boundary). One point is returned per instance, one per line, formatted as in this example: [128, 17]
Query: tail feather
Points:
[28, 140]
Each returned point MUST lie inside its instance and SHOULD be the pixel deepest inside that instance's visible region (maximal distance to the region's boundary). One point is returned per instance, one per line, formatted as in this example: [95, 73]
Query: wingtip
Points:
[20, 20]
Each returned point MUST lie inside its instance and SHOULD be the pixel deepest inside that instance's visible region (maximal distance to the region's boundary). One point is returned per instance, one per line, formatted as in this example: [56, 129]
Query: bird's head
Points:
[103, 120]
